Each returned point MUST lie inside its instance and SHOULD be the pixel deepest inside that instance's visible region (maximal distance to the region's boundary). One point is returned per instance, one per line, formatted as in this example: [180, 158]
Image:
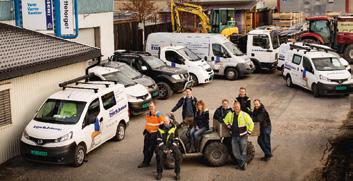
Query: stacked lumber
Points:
[286, 20]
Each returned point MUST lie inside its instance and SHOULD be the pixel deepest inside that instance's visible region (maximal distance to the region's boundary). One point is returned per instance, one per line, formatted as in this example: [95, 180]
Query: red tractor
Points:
[334, 32]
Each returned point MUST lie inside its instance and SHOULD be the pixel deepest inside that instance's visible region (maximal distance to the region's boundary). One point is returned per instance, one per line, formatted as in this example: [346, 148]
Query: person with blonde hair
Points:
[200, 125]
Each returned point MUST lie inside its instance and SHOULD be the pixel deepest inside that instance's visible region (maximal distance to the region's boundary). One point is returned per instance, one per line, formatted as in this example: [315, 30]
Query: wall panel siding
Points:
[27, 94]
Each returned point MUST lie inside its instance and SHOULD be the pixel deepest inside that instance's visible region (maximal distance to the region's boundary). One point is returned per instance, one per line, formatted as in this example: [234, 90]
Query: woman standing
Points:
[200, 126]
[264, 140]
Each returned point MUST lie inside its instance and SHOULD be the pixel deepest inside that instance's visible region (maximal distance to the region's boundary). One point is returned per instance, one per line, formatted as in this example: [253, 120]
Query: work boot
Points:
[142, 165]
[159, 176]
[244, 166]
[177, 176]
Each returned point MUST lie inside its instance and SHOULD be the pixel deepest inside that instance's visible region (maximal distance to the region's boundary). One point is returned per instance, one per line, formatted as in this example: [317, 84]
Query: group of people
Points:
[160, 133]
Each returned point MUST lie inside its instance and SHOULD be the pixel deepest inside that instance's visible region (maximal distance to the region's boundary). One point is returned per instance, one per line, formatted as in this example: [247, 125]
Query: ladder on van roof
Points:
[77, 80]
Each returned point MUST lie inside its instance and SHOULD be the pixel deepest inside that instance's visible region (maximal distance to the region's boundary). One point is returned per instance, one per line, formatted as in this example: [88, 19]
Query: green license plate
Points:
[339, 88]
[155, 94]
[145, 105]
[39, 153]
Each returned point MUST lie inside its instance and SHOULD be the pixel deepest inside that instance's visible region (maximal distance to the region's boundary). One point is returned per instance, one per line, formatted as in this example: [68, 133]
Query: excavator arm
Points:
[176, 8]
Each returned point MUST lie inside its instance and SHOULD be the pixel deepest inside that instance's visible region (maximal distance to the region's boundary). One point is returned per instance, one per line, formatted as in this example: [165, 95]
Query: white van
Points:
[318, 71]
[221, 54]
[182, 57]
[138, 95]
[74, 121]
[284, 49]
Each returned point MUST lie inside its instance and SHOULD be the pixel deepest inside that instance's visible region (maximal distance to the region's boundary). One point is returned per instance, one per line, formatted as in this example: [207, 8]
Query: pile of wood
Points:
[286, 20]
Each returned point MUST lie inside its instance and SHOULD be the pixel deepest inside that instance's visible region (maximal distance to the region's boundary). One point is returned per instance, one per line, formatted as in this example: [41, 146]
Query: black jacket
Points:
[181, 102]
[220, 114]
[262, 116]
[202, 119]
[245, 104]
[167, 137]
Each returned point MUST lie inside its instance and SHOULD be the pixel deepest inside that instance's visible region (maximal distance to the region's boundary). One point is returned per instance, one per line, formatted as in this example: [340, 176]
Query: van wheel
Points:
[289, 82]
[164, 90]
[80, 155]
[216, 154]
[348, 54]
[232, 74]
[194, 79]
[315, 90]
[120, 132]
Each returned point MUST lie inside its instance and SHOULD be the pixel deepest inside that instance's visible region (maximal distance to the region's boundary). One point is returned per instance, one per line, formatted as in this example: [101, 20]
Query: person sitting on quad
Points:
[200, 126]
[222, 111]
[241, 125]
[167, 143]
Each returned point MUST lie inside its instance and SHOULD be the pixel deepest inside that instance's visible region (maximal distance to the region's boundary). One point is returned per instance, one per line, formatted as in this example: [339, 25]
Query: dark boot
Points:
[142, 165]
[177, 176]
[159, 176]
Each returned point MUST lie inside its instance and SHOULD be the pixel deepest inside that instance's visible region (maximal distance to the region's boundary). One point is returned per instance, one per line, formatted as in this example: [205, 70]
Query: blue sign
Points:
[49, 14]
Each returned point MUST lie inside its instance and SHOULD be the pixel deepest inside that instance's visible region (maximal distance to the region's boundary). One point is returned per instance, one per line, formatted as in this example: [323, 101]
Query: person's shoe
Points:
[177, 176]
[142, 165]
[159, 176]
[244, 166]
[264, 158]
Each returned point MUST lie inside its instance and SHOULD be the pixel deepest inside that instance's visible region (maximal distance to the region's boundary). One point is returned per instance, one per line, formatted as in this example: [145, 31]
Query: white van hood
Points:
[136, 90]
[44, 130]
[336, 75]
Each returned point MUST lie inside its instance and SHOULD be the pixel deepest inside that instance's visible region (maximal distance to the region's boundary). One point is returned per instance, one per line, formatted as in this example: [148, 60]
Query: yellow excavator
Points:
[176, 8]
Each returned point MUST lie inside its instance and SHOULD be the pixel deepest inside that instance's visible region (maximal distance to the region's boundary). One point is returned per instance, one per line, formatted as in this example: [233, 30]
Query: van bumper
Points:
[246, 68]
[268, 66]
[56, 155]
[334, 89]
[137, 108]
[180, 85]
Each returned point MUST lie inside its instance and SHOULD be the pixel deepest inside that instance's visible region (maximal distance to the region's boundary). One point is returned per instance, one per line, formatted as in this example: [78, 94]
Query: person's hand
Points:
[165, 151]
[229, 126]
[170, 113]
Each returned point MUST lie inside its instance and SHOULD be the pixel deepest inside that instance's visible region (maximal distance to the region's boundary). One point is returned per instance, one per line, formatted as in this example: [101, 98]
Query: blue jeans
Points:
[239, 145]
[264, 140]
[195, 136]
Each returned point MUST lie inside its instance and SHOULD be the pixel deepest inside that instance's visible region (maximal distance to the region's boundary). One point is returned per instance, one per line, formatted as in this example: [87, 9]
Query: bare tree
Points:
[146, 9]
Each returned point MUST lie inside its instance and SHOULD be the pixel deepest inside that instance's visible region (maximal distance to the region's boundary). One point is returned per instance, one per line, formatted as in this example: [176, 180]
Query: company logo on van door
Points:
[114, 112]
[46, 127]
[155, 47]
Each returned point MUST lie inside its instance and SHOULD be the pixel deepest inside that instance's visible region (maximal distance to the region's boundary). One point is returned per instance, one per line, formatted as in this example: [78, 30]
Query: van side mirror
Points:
[144, 68]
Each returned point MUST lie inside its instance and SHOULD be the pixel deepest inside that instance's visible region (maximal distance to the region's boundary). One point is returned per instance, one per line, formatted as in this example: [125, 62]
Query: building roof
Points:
[229, 4]
[25, 52]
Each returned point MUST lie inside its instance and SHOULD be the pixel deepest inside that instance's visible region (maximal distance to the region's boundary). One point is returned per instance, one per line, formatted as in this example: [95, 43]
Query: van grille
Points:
[144, 97]
[41, 141]
[340, 81]
[209, 70]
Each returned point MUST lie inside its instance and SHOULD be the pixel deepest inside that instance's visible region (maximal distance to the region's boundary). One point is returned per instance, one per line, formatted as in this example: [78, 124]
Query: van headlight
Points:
[324, 78]
[66, 137]
[176, 77]
[25, 134]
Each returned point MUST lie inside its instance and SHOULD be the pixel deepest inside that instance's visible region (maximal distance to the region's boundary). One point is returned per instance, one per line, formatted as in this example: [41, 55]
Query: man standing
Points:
[241, 125]
[167, 144]
[188, 102]
[261, 115]
[244, 101]
[222, 111]
[153, 120]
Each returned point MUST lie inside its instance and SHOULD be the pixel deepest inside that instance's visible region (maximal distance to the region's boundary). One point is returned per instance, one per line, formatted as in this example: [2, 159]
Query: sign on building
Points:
[37, 14]
[66, 18]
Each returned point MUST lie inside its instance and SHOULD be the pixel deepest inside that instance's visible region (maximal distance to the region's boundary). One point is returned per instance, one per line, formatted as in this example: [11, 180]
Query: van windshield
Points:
[130, 72]
[119, 77]
[154, 62]
[60, 111]
[327, 64]
[233, 49]
[188, 54]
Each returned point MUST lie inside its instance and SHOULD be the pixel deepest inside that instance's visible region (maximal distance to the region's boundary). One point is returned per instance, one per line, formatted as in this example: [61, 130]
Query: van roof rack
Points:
[77, 80]
[298, 47]
[318, 47]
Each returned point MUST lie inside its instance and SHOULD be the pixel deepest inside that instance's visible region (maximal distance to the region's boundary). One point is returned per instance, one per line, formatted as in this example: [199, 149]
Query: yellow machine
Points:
[176, 8]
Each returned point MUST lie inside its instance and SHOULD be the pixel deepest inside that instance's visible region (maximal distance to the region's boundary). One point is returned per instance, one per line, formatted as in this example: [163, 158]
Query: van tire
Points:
[120, 132]
[194, 80]
[79, 156]
[315, 90]
[232, 74]
[289, 82]
[348, 53]
[164, 90]
[216, 154]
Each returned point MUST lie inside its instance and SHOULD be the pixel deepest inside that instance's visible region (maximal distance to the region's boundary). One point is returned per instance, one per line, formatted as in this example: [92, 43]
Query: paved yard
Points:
[302, 125]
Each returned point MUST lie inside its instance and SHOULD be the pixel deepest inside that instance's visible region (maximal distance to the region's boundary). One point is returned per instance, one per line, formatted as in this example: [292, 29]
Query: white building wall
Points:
[27, 94]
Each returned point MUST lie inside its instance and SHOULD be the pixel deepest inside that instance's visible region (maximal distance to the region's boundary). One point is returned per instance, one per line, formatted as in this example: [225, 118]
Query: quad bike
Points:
[215, 145]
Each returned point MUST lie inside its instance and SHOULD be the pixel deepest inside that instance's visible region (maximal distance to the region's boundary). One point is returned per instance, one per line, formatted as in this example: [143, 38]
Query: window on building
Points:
[108, 100]
[5, 107]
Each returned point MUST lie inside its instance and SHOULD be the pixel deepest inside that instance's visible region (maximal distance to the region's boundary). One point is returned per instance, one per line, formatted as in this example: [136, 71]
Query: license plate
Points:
[155, 94]
[339, 88]
[145, 105]
[39, 153]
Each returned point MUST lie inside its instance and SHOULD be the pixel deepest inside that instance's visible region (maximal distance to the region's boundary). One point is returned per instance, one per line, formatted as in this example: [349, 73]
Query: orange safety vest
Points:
[153, 121]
